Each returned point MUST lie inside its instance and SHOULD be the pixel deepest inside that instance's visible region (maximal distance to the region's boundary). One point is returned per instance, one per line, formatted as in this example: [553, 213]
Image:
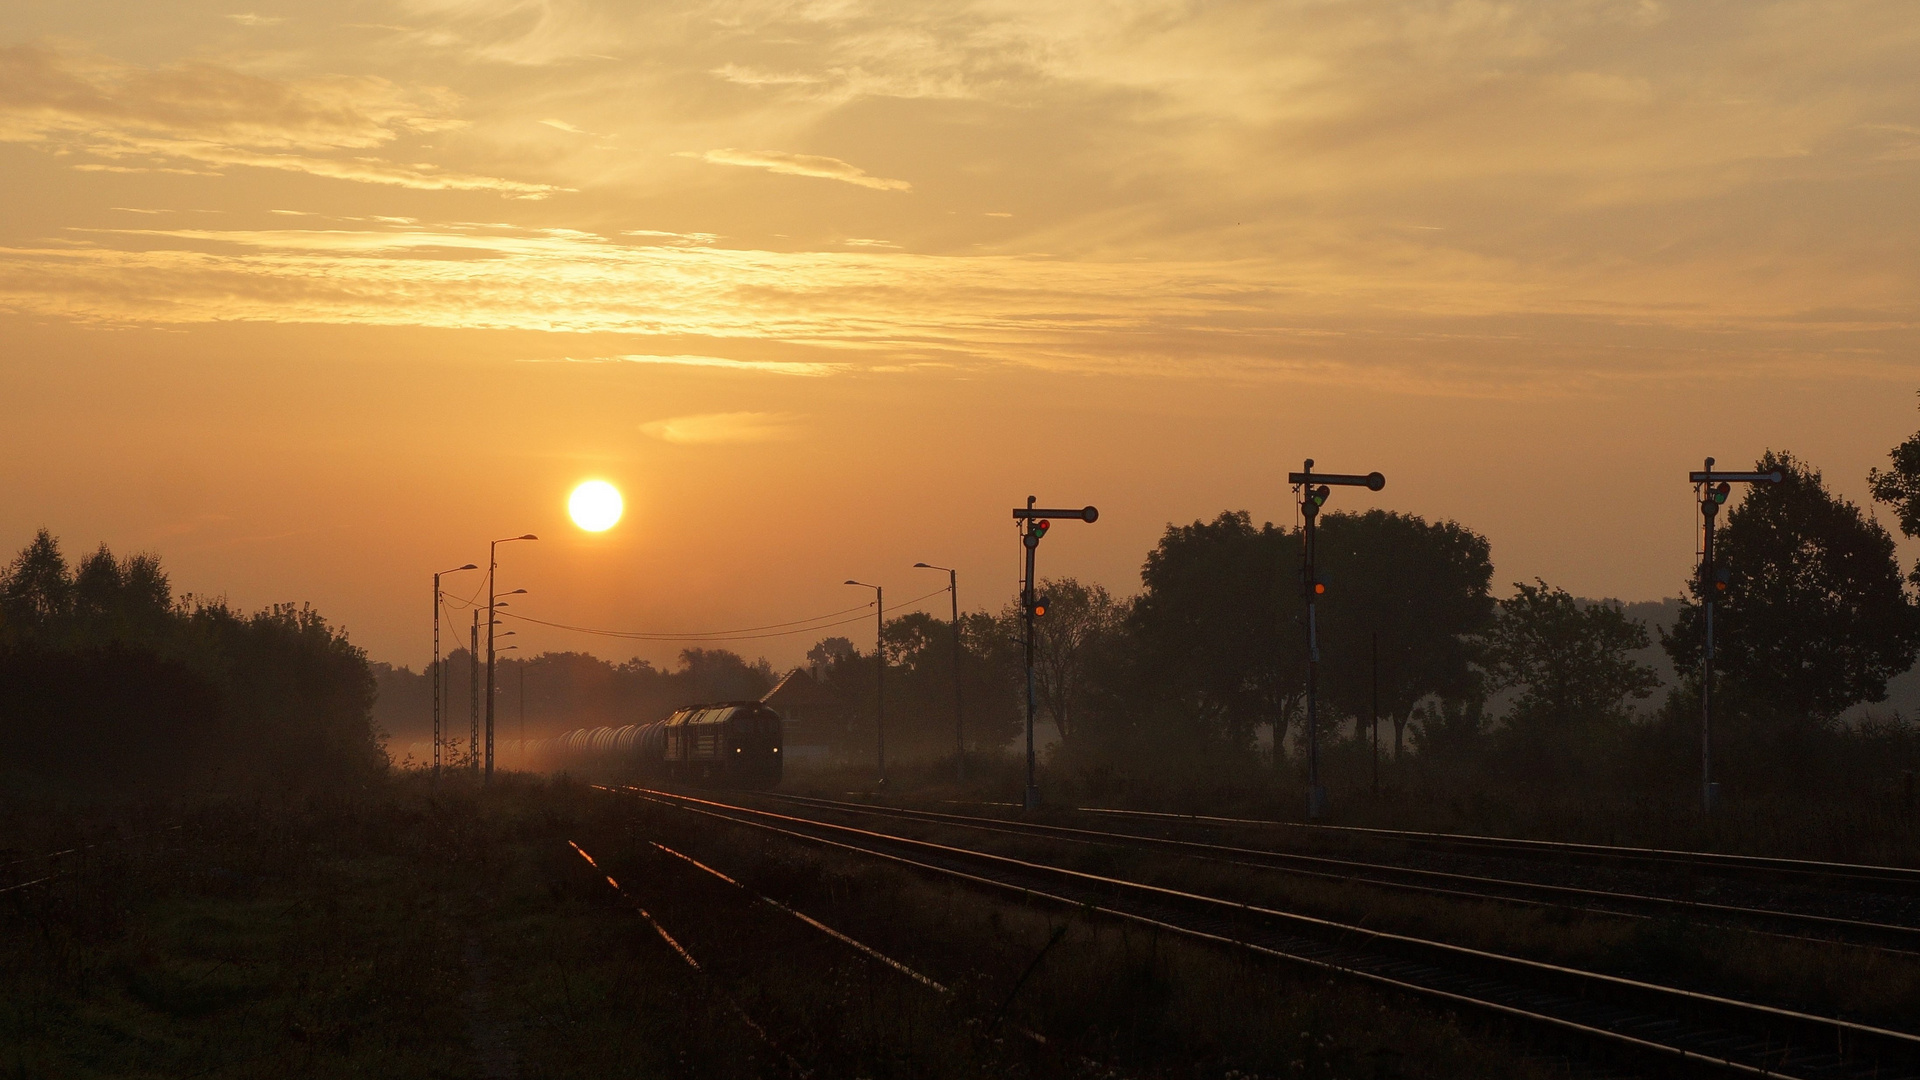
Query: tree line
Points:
[109, 682]
[1202, 673]
[554, 692]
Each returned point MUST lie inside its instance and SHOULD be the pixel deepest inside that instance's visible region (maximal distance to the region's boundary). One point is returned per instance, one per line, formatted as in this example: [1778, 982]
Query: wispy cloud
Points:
[824, 168]
[771, 367]
[728, 427]
[136, 119]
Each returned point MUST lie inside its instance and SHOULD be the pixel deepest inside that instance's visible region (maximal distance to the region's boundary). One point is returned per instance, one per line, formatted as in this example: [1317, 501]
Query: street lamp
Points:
[880, 676]
[959, 729]
[436, 663]
[493, 602]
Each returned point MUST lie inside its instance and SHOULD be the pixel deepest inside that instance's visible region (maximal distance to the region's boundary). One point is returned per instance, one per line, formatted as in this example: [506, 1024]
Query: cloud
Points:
[825, 168]
[250, 19]
[152, 119]
[731, 427]
[562, 125]
[772, 367]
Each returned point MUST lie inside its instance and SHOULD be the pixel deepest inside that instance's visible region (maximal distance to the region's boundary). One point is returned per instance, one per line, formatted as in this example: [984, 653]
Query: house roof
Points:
[798, 688]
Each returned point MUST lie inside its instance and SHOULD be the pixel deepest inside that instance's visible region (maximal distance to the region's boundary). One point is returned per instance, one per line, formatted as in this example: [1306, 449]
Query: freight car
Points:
[731, 743]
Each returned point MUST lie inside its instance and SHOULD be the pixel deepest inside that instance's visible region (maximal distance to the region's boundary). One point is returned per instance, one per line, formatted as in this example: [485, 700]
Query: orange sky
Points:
[314, 299]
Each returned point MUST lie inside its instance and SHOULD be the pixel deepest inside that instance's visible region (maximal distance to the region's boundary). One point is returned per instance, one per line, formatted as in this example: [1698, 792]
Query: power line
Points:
[770, 630]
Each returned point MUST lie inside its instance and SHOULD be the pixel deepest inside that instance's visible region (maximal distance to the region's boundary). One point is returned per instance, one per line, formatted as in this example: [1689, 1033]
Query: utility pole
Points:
[473, 690]
[1034, 524]
[959, 728]
[879, 678]
[493, 604]
[436, 663]
[1314, 489]
[1376, 712]
[1712, 489]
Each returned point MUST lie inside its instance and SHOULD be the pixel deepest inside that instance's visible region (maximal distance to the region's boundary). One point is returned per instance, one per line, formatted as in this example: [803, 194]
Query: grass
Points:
[408, 931]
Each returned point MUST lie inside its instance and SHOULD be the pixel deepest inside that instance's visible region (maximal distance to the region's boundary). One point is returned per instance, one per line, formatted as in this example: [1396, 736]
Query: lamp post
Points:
[436, 663]
[473, 695]
[959, 727]
[503, 648]
[880, 676]
[493, 567]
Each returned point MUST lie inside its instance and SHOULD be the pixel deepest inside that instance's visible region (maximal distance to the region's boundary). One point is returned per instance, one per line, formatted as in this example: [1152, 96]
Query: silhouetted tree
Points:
[106, 681]
[827, 650]
[1569, 660]
[1899, 488]
[1080, 620]
[1814, 619]
[1423, 588]
[1213, 635]
[38, 589]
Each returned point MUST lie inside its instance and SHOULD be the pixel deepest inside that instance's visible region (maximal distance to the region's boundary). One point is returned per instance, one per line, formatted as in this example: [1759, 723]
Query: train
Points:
[726, 743]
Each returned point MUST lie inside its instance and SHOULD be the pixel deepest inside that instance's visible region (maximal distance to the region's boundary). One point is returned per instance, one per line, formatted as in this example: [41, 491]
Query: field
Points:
[453, 931]
[534, 928]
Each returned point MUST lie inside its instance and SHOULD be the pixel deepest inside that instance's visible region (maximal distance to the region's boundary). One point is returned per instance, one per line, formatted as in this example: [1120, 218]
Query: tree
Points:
[38, 590]
[1079, 620]
[1215, 634]
[828, 651]
[1899, 488]
[1814, 619]
[1422, 587]
[1570, 661]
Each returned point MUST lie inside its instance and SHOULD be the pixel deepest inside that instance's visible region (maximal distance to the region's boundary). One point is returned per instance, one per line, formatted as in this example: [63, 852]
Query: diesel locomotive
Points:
[729, 743]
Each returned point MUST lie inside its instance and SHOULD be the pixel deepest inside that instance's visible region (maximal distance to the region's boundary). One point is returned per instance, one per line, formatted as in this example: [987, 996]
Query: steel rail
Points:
[687, 957]
[1278, 861]
[1713, 859]
[1752, 1010]
[858, 946]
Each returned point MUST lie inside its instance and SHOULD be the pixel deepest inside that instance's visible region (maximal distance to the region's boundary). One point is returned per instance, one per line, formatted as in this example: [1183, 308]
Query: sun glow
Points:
[595, 505]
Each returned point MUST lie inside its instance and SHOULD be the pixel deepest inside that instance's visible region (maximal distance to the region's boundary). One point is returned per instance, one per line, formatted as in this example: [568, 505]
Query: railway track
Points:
[1680, 1026]
[1778, 922]
[1698, 861]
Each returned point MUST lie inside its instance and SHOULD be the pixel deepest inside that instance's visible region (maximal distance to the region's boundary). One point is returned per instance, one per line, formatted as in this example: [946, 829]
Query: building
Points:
[816, 721]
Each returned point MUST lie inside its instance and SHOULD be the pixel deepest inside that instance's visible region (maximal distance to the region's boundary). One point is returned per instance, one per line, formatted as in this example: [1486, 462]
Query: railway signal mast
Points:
[1034, 524]
[1712, 489]
[1314, 488]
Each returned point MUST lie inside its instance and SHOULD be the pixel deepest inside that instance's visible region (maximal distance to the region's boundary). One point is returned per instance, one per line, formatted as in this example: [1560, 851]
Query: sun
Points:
[595, 505]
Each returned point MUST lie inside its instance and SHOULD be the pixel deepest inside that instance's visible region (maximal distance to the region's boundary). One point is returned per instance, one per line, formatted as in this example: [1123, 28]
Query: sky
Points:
[314, 300]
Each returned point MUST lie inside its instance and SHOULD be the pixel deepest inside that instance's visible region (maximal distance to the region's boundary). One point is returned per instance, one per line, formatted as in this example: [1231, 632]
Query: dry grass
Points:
[405, 931]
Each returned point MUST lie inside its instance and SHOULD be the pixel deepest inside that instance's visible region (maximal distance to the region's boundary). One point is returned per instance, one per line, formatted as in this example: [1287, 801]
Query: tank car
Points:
[730, 743]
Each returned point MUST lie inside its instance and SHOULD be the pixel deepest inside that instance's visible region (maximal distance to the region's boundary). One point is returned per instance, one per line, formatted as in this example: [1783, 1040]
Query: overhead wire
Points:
[826, 621]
